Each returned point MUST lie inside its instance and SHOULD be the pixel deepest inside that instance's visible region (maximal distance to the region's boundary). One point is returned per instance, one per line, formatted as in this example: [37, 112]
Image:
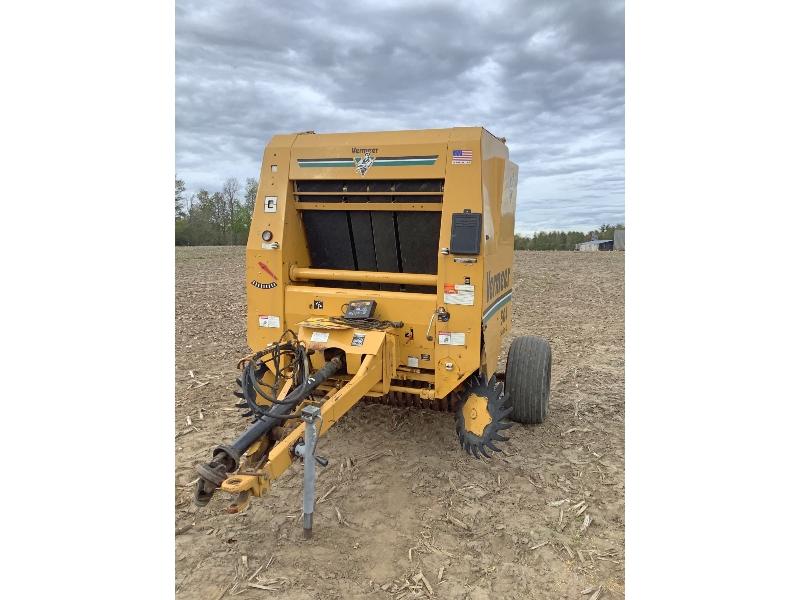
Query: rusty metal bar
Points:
[378, 390]
[300, 273]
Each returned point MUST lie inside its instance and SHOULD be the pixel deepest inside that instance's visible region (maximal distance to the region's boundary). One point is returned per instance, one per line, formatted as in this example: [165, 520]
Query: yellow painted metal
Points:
[423, 393]
[339, 194]
[320, 338]
[335, 407]
[499, 177]
[284, 290]
[425, 142]
[298, 274]
[393, 206]
[486, 185]
[415, 311]
[375, 366]
[476, 414]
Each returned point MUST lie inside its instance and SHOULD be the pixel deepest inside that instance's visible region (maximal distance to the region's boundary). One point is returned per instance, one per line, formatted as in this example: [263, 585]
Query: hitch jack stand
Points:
[307, 451]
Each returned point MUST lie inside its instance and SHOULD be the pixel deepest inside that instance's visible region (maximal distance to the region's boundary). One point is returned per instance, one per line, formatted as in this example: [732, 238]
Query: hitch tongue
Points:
[240, 503]
[307, 450]
[226, 458]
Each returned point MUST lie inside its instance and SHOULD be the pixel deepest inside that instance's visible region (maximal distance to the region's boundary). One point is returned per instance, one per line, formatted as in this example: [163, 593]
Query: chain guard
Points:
[498, 406]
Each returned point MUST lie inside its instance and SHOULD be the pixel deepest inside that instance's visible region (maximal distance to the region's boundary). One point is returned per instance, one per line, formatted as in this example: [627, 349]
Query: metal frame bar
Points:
[372, 193]
[425, 393]
[382, 206]
[304, 273]
[280, 457]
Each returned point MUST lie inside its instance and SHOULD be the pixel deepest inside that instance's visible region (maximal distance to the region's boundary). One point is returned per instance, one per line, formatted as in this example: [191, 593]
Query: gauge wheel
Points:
[528, 378]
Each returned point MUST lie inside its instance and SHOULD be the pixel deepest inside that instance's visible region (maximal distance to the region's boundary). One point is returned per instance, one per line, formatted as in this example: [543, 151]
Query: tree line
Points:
[563, 240]
[222, 218]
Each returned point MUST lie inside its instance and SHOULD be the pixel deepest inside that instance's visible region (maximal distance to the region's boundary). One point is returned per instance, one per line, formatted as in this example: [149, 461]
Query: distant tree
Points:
[180, 188]
[203, 226]
[219, 217]
[250, 191]
[244, 211]
[230, 195]
[562, 240]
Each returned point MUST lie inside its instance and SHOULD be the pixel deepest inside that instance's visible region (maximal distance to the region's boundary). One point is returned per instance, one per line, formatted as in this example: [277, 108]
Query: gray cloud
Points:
[548, 76]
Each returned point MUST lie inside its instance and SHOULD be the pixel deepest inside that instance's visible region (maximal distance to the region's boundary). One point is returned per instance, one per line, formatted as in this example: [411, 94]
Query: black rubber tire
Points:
[528, 378]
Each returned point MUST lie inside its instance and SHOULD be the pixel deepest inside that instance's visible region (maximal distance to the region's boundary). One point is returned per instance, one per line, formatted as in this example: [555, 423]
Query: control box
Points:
[360, 309]
[465, 234]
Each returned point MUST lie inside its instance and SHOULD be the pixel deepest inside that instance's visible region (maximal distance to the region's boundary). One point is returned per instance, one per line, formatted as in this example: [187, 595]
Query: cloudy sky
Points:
[548, 76]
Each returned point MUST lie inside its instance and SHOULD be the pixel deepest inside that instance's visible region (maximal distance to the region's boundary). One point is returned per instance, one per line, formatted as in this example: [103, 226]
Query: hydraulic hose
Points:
[226, 458]
[278, 414]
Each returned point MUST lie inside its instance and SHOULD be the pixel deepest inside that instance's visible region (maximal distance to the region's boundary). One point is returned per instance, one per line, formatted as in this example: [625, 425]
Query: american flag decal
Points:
[462, 157]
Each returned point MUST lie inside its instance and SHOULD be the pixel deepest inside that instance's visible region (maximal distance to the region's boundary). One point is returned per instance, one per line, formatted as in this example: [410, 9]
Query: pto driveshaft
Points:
[226, 458]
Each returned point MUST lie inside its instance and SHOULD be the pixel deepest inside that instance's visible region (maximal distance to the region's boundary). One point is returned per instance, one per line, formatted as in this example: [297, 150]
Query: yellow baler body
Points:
[485, 182]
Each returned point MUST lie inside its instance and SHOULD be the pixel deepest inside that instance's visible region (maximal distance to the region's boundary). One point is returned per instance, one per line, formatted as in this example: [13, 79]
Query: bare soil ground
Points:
[543, 520]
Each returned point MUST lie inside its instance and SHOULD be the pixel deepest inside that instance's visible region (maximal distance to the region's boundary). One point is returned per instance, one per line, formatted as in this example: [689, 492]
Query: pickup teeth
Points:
[498, 406]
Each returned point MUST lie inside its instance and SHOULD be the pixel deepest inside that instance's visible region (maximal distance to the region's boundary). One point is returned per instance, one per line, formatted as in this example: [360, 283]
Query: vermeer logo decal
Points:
[497, 283]
[269, 285]
[363, 159]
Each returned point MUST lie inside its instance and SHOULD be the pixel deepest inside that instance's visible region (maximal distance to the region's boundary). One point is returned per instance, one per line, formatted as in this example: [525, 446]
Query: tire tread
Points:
[528, 378]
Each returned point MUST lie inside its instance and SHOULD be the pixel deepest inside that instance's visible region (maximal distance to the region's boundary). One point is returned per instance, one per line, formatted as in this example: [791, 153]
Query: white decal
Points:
[269, 321]
[452, 339]
[320, 336]
[413, 361]
[458, 339]
[459, 294]
[271, 204]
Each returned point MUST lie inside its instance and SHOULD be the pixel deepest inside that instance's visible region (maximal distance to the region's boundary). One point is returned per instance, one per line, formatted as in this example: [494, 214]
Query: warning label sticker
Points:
[269, 321]
[459, 294]
[452, 339]
[320, 336]
[412, 361]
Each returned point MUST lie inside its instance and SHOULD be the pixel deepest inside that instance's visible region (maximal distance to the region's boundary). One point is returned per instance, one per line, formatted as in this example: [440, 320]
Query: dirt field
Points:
[510, 527]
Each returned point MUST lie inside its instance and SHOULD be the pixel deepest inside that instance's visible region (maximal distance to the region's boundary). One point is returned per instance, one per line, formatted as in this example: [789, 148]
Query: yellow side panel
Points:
[462, 191]
[382, 145]
[267, 268]
[486, 185]
[499, 203]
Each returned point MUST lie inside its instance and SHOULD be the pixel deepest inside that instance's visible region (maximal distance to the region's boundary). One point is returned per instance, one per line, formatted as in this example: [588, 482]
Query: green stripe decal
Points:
[310, 163]
[498, 304]
[316, 164]
[400, 163]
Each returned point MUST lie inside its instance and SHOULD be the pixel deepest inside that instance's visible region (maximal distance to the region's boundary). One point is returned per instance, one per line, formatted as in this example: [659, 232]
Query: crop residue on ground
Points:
[406, 513]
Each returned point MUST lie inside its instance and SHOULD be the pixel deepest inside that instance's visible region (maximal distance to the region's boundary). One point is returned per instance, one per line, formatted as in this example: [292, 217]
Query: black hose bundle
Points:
[367, 323]
[226, 458]
[254, 368]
